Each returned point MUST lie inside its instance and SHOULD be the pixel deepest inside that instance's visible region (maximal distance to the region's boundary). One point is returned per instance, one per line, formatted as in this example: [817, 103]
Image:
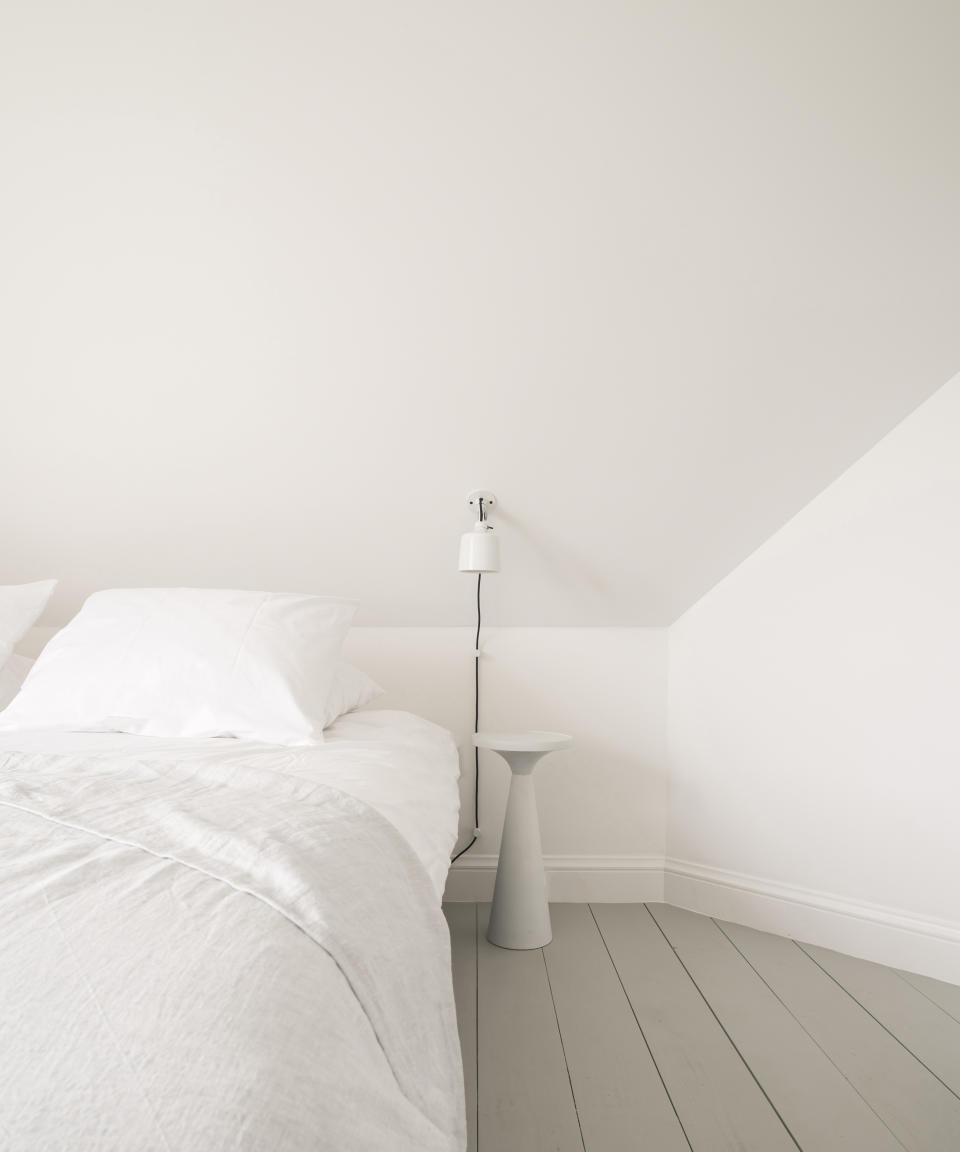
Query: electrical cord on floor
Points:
[476, 723]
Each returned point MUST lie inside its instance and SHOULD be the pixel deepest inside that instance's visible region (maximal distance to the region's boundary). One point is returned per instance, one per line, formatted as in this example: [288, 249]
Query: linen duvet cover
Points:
[202, 953]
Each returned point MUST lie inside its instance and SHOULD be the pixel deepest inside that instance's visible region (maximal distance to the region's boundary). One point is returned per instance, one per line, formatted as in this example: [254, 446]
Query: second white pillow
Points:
[20, 606]
[12, 676]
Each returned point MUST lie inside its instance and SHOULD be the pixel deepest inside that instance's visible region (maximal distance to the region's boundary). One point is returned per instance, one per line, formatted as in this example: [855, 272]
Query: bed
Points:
[221, 944]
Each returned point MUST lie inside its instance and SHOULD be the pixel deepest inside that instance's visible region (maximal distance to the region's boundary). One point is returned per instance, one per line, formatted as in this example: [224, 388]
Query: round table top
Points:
[532, 741]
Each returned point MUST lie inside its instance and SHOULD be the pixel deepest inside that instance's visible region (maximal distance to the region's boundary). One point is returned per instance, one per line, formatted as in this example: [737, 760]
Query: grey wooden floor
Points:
[646, 1027]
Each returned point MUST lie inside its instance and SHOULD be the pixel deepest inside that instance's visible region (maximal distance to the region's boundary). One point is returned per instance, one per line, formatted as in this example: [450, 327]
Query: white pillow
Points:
[20, 607]
[189, 662]
[351, 689]
[12, 675]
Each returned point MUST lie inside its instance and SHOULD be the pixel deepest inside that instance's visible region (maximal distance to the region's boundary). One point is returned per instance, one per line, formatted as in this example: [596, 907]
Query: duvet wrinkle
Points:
[324, 861]
[95, 1000]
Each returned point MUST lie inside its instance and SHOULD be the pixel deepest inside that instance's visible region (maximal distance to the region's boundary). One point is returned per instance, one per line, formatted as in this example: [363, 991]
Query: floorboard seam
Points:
[880, 1022]
[563, 1049]
[813, 1038]
[476, 1007]
[724, 1030]
[640, 1027]
[917, 988]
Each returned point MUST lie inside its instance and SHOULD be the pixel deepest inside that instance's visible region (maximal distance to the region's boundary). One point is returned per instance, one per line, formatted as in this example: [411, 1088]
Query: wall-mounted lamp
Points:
[480, 548]
[479, 553]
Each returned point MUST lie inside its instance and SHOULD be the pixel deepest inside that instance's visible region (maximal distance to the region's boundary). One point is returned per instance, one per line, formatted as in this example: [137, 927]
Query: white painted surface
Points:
[601, 879]
[875, 932]
[281, 282]
[531, 741]
[606, 687]
[813, 701]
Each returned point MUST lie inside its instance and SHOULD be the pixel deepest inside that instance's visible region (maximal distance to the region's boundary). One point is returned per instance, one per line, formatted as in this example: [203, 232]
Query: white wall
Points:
[814, 700]
[281, 280]
[602, 803]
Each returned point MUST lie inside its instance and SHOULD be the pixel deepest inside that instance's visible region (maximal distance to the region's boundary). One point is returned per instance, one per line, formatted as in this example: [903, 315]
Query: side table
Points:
[520, 915]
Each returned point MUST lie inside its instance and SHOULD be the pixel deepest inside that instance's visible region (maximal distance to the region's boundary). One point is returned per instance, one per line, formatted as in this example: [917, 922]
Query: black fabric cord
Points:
[476, 720]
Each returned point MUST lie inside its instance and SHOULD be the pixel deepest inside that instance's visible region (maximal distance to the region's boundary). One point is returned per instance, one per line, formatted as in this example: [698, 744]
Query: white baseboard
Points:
[570, 879]
[872, 932]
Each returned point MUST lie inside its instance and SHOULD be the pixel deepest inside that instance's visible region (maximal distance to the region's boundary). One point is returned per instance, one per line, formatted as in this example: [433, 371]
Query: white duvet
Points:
[215, 945]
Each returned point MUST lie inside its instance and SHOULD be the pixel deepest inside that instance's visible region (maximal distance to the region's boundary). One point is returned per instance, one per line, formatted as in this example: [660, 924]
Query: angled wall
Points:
[814, 715]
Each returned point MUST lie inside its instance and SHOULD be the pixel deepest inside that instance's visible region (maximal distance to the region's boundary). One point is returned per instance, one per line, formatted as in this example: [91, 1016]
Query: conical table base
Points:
[520, 915]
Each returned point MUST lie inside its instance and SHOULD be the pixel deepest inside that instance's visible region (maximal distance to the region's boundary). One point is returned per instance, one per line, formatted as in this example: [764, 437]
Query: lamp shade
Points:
[480, 550]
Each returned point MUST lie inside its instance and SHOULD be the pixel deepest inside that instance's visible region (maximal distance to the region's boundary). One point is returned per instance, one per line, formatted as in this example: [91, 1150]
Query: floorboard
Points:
[920, 1025]
[718, 1101]
[462, 920]
[819, 1106]
[945, 996]
[616, 1085]
[525, 1101]
[918, 1109]
[658, 1030]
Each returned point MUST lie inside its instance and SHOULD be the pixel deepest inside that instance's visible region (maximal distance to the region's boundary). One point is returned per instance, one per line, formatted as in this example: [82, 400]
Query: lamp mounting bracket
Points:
[484, 494]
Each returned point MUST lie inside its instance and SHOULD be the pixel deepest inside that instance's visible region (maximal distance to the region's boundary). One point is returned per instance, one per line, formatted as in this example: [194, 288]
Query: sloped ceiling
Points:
[280, 283]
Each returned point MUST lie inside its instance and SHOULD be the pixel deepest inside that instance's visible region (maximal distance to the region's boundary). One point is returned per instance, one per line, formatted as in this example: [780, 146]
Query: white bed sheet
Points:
[403, 766]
